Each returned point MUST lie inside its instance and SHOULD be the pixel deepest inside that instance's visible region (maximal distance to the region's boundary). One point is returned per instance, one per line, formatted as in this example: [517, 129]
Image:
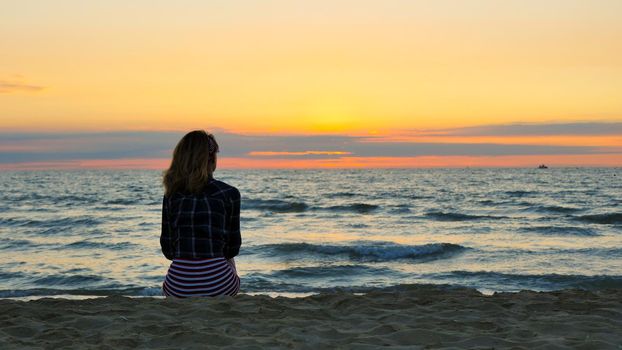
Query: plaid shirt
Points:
[205, 225]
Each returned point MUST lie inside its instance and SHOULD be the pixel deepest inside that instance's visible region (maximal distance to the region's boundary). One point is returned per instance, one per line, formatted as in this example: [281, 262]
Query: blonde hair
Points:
[193, 163]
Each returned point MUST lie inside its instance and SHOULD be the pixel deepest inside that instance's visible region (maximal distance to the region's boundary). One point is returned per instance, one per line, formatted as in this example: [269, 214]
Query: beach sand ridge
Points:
[409, 317]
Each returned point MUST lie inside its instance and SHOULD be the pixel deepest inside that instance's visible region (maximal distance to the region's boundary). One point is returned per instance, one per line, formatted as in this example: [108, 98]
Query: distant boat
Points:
[542, 166]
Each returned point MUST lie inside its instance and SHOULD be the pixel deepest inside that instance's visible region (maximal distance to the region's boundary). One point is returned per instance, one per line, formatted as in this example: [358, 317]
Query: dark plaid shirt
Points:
[205, 225]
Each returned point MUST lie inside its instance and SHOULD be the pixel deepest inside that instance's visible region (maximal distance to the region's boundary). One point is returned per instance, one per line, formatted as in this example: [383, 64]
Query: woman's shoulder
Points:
[221, 187]
[213, 188]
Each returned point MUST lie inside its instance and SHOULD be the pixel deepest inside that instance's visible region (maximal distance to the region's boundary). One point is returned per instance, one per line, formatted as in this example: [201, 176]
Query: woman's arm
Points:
[166, 237]
[234, 239]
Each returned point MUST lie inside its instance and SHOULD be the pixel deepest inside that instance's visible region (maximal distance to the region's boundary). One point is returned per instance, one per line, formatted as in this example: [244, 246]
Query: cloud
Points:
[44, 147]
[580, 128]
[8, 87]
[94, 145]
[304, 153]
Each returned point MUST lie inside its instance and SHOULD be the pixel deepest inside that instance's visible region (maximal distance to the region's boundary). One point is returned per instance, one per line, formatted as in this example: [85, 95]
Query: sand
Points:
[414, 317]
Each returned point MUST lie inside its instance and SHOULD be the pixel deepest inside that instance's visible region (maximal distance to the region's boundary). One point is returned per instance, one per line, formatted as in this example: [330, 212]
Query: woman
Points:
[200, 222]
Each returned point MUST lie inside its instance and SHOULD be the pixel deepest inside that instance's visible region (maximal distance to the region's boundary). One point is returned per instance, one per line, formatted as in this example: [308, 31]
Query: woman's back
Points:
[200, 222]
[203, 225]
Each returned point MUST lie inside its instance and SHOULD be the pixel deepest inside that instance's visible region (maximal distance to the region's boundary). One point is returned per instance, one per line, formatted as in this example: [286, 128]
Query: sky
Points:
[306, 84]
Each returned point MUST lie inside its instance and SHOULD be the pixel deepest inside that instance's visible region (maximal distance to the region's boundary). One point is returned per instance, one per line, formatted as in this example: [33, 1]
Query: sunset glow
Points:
[388, 72]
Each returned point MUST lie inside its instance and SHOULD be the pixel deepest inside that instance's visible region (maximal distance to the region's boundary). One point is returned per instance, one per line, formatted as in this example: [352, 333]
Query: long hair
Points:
[193, 164]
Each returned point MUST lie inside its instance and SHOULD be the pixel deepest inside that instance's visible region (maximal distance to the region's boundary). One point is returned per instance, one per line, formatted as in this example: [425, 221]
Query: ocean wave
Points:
[281, 206]
[22, 197]
[454, 280]
[71, 199]
[551, 208]
[99, 245]
[360, 208]
[108, 208]
[17, 244]
[274, 205]
[331, 271]
[123, 201]
[66, 279]
[418, 196]
[9, 274]
[261, 284]
[342, 195]
[251, 284]
[137, 189]
[84, 292]
[551, 251]
[54, 198]
[520, 193]
[489, 202]
[603, 219]
[604, 252]
[536, 281]
[361, 251]
[400, 209]
[449, 216]
[51, 223]
[13, 222]
[560, 230]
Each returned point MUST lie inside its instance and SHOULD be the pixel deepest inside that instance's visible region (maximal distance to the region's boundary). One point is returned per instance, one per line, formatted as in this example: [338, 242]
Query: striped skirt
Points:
[201, 278]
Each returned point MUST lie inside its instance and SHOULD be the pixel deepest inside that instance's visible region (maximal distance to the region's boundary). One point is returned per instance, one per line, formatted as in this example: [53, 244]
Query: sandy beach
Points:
[414, 317]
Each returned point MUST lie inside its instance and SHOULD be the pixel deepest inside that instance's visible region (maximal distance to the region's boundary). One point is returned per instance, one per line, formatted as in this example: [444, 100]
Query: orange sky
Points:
[341, 163]
[363, 68]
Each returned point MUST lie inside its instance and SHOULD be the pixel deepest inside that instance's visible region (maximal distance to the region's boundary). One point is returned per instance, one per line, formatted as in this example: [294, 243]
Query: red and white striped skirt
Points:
[201, 278]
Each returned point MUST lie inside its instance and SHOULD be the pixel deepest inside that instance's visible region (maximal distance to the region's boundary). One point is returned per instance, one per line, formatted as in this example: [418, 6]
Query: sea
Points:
[85, 233]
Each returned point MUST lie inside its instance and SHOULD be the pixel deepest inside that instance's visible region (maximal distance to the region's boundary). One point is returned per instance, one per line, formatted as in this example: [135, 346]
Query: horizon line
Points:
[343, 163]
